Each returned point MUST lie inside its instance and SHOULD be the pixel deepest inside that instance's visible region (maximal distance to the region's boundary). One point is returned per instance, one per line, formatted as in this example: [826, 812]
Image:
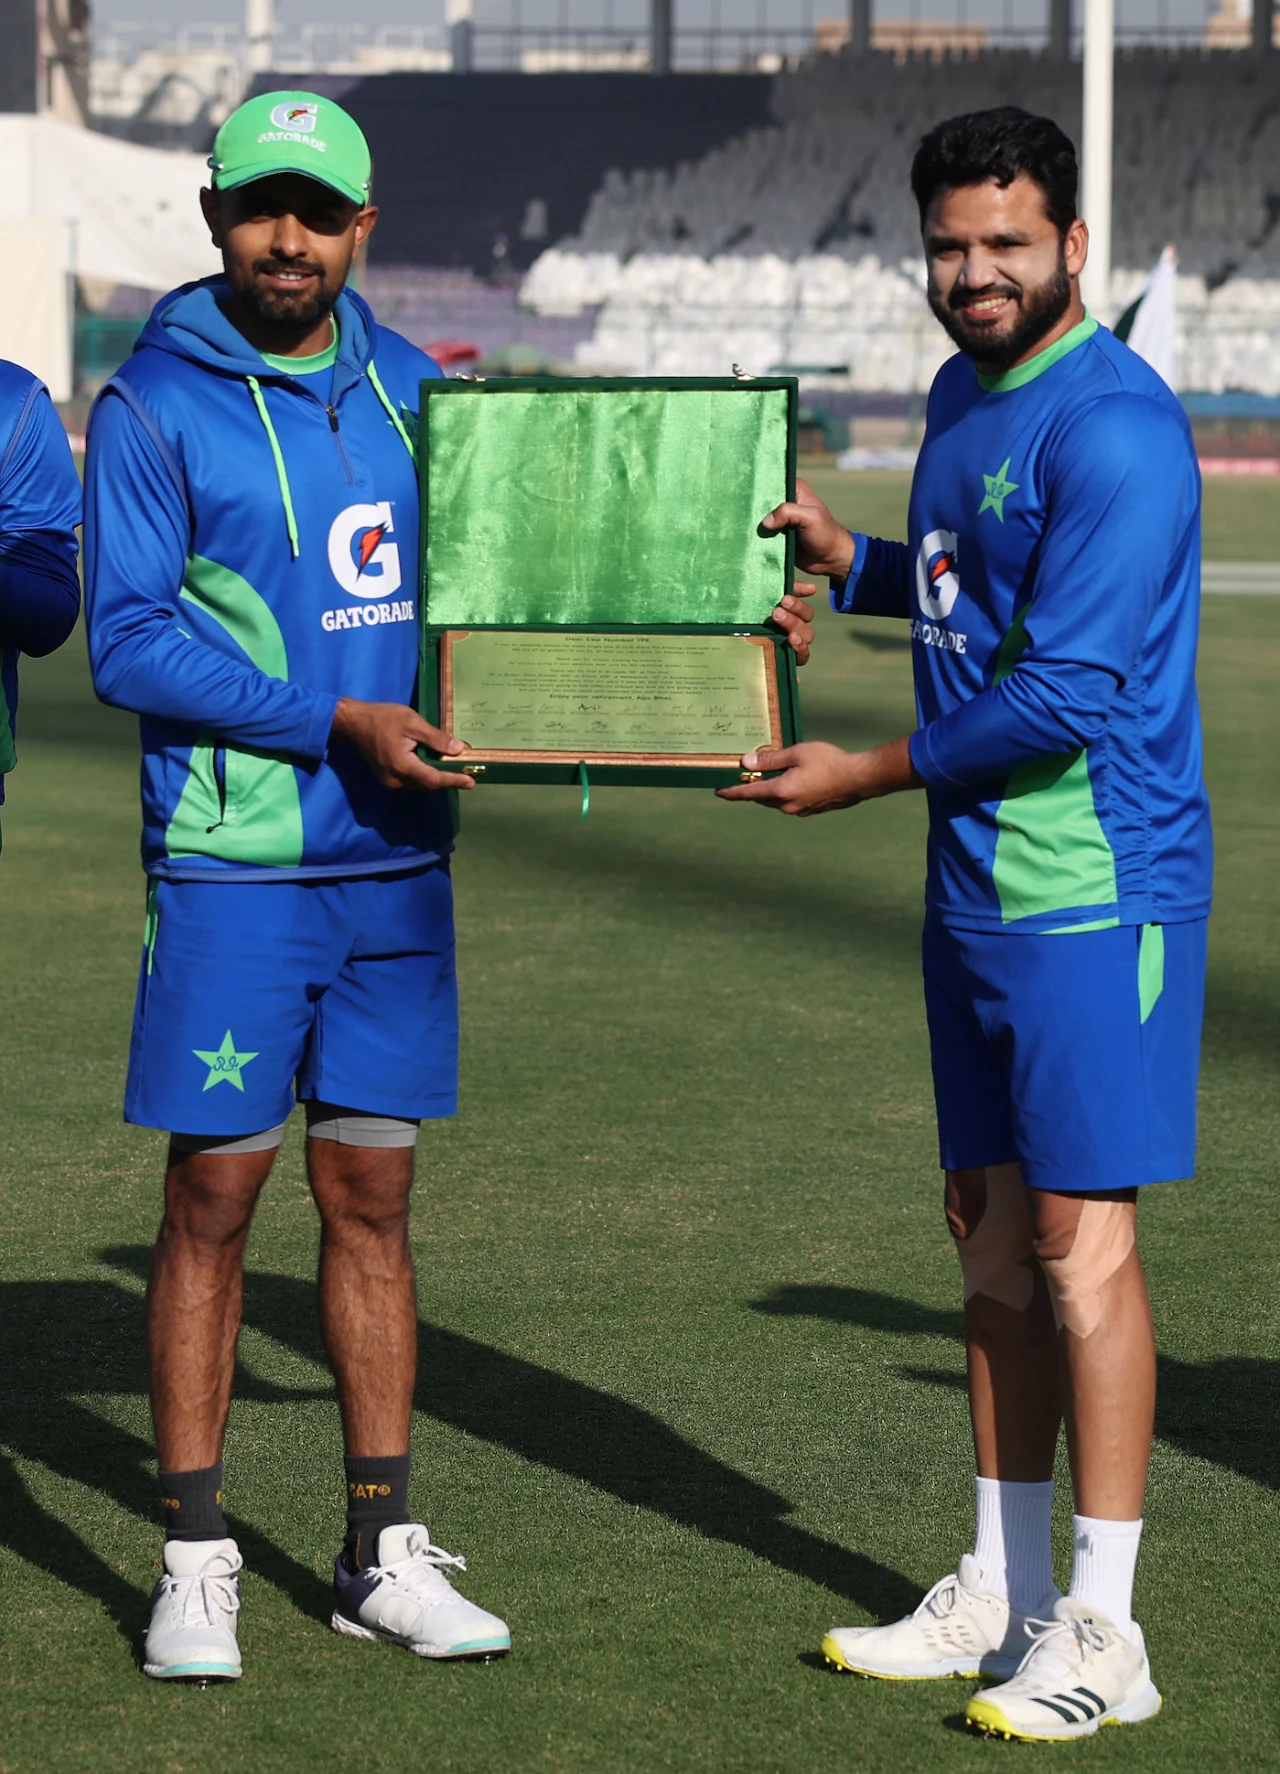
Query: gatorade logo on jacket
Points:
[360, 559]
[230, 509]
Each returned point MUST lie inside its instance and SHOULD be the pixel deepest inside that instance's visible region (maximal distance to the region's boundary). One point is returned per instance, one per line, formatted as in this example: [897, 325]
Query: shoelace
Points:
[218, 1594]
[1083, 1634]
[945, 1593]
[426, 1560]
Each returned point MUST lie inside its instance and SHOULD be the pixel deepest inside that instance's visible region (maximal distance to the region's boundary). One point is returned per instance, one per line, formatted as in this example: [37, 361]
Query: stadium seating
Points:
[797, 242]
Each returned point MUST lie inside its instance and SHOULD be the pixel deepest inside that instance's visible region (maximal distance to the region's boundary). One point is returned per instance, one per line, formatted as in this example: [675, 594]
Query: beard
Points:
[1038, 311]
[280, 307]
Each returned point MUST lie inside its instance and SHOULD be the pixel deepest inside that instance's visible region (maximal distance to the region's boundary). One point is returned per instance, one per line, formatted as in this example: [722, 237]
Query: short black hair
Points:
[1003, 144]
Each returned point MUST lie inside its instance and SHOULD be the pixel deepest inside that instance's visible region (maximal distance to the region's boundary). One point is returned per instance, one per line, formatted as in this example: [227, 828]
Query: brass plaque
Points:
[525, 695]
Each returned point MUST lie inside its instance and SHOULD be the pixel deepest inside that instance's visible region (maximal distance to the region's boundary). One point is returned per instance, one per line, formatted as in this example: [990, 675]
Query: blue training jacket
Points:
[39, 511]
[1052, 582]
[251, 555]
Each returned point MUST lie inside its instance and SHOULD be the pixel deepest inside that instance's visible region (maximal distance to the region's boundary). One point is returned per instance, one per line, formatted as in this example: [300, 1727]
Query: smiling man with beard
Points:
[1052, 586]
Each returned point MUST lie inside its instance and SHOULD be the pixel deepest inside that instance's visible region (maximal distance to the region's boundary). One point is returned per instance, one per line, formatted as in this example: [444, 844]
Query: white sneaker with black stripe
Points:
[1080, 1673]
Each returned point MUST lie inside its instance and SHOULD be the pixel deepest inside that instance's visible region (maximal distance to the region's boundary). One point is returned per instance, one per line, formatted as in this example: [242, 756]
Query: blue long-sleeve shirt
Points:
[39, 511]
[1052, 583]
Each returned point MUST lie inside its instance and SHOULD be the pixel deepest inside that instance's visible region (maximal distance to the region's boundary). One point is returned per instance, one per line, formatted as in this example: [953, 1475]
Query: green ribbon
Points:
[586, 789]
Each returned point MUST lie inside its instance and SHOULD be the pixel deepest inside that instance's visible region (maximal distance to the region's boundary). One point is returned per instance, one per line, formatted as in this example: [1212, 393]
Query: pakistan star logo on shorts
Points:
[225, 1065]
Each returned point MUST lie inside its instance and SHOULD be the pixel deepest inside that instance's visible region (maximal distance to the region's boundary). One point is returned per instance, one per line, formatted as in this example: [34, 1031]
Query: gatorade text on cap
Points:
[293, 132]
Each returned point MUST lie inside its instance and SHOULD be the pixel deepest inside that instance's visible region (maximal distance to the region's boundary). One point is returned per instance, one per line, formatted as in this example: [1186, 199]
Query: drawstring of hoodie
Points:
[392, 414]
[277, 454]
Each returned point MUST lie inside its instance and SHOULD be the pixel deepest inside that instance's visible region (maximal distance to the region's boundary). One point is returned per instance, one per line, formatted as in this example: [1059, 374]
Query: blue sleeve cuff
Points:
[843, 591]
[921, 762]
[320, 726]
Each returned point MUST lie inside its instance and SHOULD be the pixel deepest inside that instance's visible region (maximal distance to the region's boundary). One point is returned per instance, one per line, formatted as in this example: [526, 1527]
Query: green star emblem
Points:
[998, 490]
[225, 1065]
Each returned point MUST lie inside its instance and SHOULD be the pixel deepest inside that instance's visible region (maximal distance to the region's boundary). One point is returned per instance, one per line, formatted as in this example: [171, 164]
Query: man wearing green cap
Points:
[251, 574]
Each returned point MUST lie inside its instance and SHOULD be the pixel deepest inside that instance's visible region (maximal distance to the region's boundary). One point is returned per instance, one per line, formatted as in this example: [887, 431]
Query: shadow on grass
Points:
[66, 1342]
[566, 1426]
[1226, 1411]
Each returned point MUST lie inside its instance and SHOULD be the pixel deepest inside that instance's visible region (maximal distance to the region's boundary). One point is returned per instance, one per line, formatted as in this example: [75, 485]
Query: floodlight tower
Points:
[660, 14]
[1262, 31]
[260, 34]
[459, 18]
[1099, 90]
[859, 26]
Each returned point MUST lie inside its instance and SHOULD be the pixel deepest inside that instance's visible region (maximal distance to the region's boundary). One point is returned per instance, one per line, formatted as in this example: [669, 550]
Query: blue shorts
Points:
[346, 987]
[1075, 1055]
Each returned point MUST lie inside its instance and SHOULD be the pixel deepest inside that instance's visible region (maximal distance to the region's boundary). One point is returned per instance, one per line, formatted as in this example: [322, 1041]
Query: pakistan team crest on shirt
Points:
[225, 1065]
[999, 487]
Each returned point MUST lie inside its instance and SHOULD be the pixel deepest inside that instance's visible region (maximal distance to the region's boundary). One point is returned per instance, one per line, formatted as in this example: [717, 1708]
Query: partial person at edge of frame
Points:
[39, 553]
[1052, 584]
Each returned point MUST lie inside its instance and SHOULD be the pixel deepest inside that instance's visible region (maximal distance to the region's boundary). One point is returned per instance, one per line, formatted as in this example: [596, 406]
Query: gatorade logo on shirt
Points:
[937, 588]
[366, 564]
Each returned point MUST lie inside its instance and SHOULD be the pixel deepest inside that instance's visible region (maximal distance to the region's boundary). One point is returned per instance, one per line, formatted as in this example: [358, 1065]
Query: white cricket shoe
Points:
[406, 1599]
[1080, 1673]
[192, 1636]
[959, 1629]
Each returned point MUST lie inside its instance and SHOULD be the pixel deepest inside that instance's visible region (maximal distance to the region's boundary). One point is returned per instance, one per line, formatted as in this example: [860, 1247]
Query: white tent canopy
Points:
[88, 206]
[133, 211]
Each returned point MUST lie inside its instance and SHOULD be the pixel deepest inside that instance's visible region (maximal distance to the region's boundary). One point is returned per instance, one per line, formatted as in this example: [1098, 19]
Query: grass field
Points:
[691, 1371]
[1241, 515]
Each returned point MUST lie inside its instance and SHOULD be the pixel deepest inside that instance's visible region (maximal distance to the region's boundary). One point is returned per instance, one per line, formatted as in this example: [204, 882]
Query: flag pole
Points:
[1099, 84]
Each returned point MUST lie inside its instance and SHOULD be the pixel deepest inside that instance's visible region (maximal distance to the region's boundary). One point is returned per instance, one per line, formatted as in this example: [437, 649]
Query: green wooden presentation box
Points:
[595, 589]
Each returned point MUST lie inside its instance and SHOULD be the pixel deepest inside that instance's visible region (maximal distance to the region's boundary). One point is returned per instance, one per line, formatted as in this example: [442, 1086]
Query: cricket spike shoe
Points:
[960, 1628]
[192, 1636]
[406, 1599]
[1079, 1674]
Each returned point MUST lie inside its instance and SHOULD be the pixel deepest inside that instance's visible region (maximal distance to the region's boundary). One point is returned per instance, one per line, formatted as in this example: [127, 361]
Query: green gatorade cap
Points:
[293, 132]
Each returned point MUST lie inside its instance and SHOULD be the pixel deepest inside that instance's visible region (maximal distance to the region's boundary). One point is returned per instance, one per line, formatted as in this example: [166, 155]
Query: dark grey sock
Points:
[192, 1504]
[377, 1498]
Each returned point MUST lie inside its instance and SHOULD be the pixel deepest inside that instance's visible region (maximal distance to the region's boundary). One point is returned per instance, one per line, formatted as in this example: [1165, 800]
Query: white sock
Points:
[1012, 1542]
[1102, 1574]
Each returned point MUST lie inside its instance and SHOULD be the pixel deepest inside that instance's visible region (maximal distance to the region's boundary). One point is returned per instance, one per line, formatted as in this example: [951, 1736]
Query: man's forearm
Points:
[885, 771]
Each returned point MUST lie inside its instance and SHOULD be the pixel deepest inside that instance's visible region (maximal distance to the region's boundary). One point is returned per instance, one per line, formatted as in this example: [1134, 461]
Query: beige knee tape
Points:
[1104, 1237]
[993, 1258]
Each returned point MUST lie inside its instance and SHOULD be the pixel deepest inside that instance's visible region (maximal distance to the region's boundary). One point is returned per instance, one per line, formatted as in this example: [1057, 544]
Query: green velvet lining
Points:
[582, 506]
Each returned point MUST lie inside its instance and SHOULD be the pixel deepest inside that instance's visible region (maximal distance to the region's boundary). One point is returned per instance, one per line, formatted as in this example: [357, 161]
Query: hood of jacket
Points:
[190, 323]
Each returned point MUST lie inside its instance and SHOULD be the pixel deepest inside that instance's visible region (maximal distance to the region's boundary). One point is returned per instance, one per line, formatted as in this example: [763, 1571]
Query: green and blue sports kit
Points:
[1052, 584]
[251, 550]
